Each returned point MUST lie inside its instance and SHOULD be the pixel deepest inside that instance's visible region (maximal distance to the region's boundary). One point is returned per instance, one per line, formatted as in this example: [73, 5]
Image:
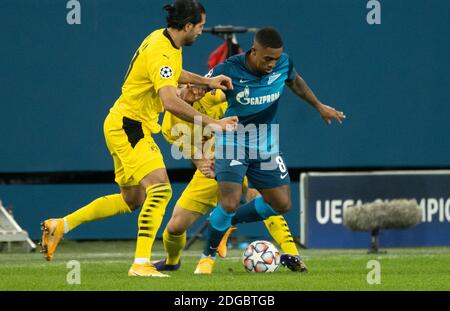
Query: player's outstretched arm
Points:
[219, 82]
[302, 90]
[184, 111]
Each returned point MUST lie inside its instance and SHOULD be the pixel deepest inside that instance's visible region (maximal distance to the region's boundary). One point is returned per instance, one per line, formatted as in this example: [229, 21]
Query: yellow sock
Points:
[173, 245]
[100, 208]
[150, 218]
[280, 232]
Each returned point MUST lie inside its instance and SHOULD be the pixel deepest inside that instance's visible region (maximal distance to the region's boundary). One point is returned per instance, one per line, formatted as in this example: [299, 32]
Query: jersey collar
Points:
[167, 35]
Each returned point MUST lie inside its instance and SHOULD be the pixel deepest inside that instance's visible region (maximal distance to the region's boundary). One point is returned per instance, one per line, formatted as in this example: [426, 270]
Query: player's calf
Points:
[279, 198]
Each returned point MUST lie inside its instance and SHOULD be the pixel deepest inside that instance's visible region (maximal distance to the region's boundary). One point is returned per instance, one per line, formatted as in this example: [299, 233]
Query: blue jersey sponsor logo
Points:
[244, 98]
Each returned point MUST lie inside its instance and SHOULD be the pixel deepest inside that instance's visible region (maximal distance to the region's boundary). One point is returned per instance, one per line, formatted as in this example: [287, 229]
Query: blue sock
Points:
[255, 210]
[219, 222]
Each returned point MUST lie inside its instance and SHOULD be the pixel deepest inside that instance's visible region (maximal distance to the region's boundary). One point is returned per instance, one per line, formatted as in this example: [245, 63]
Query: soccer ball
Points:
[261, 256]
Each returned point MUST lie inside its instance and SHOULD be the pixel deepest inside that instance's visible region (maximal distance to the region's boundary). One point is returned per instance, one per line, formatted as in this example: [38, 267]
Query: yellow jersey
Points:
[156, 63]
[174, 128]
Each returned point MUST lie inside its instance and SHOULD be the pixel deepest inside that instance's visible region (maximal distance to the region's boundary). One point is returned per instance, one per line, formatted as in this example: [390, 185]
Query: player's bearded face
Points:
[266, 58]
[195, 31]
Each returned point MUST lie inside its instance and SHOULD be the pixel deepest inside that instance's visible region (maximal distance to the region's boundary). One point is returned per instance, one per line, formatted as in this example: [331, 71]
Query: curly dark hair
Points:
[269, 37]
[182, 12]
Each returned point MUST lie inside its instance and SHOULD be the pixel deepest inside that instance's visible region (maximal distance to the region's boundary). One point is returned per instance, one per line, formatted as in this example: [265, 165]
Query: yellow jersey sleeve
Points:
[164, 71]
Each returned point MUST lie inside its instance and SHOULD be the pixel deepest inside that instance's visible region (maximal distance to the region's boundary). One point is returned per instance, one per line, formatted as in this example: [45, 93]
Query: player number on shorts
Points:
[281, 164]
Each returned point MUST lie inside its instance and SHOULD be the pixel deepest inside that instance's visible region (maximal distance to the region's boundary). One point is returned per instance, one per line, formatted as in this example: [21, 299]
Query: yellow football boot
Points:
[205, 266]
[52, 232]
[222, 248]
[146, 270]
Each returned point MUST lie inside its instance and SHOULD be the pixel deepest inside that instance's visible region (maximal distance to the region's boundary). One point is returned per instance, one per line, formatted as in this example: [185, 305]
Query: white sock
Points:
[66, 226]
[141, 261]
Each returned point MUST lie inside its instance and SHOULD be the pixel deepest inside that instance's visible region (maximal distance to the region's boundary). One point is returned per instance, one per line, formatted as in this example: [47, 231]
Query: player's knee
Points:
[286, 206]
[134, 202]
[283, 206]
[161, 190]
[134, 205]
[176, 226]
[230, 205]
[164, 193]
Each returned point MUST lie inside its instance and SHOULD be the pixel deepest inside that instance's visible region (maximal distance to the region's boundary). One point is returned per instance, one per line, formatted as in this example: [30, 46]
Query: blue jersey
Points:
[255, 99]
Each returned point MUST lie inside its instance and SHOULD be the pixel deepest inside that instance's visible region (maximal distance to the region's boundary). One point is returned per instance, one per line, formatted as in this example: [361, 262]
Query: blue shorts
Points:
[262, 174]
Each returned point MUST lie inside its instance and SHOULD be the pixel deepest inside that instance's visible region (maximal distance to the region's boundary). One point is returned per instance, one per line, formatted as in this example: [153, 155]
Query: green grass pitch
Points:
[104, 266]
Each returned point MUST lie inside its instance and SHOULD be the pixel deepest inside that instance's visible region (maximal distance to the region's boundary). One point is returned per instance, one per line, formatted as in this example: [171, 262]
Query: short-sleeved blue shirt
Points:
[254, 100]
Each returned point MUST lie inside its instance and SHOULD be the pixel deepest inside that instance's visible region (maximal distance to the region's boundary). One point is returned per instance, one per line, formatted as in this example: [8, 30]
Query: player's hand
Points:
[251, 194]
[328, 113]
[191, 93]
[228, 124]
[206, 167]
[221, 82]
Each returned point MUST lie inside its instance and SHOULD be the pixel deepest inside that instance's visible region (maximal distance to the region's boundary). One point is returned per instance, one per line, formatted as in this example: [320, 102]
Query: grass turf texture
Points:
[104, 266]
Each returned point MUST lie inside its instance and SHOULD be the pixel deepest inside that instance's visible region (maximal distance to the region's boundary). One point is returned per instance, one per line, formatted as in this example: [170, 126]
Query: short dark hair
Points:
[269, 37]
[182, 12]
